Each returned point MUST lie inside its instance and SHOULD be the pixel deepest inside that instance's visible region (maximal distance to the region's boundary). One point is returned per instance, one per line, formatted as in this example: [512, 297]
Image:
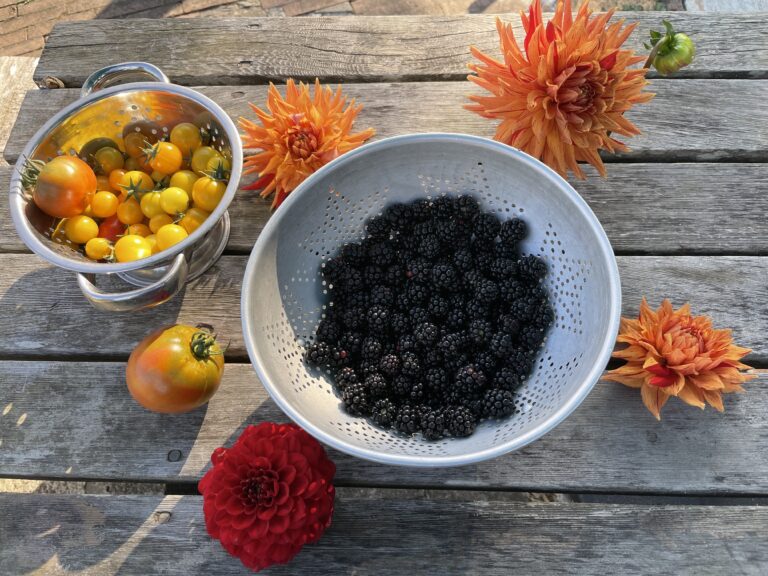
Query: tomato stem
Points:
[202, 344]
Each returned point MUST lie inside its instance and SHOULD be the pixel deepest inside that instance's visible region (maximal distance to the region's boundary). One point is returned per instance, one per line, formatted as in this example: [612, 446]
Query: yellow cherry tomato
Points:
[136, 182]
[187, 137]
[218, 168]
[184, 179]
[115, 179]
[157, 222]
[152, 239]
[207, 193]
[150, 204]
[169, 235]
[139, 230]
[108, 159]
[164, 157]
[201, 157]
[174, 200]
[193, 218]
[98, 249]
[129, 212]
[104, 204]
[132, 247]
[80, 229]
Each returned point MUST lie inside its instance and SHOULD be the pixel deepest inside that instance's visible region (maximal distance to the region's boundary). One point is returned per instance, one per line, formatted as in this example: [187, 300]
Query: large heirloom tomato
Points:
[175, 369]
[63, 185]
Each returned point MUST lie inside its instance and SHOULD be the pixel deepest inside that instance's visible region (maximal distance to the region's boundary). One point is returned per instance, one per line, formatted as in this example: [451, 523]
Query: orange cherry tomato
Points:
[164, 157]
[136, 183]
[115, 179]
[129, 212]
[175, 369]
[63, 185]
[193, 218]
[139, 230]
[111, 228]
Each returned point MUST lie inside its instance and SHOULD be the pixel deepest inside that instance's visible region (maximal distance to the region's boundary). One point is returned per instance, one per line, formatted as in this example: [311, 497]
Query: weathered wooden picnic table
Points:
[685, 212]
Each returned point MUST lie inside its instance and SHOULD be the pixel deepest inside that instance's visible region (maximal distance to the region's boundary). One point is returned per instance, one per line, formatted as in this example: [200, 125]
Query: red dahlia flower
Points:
[269, 494]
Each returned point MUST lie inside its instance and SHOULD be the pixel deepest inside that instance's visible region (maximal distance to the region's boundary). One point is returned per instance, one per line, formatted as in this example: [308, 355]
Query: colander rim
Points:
[434, 460]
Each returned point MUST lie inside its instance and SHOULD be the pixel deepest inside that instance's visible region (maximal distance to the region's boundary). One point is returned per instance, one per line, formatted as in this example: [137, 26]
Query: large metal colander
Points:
[283, 291]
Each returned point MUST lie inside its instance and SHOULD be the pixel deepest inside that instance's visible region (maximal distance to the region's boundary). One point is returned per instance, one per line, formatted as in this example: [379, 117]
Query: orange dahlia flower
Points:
[561, 96]
[298, 134]
[671, 353]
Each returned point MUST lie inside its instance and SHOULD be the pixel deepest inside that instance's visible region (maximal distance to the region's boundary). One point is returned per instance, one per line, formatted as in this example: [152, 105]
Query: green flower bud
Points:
[670, 51]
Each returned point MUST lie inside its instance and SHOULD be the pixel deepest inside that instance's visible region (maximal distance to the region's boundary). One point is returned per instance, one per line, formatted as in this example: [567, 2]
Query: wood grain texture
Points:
[702, 120]
[416, 532]
[248, 51]
[610, 443]
[644, 208]
[43, 314]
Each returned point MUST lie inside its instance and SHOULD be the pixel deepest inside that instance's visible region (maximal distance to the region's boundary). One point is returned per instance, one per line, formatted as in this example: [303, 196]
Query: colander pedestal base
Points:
[202, 256]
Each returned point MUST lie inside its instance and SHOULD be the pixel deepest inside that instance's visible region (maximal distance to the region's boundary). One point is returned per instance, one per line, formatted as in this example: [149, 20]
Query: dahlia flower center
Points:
[258, 488]
[302, 142]
[586, 95]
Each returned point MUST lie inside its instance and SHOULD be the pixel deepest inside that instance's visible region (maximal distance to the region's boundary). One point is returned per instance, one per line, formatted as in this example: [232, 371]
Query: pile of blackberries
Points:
[434, 319]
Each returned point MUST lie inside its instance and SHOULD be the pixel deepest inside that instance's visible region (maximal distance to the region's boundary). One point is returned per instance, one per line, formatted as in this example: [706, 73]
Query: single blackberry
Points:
[382, 295]
[373, 276]
[417, 294]
[383, 412]
[417, 393]
[455, 319]
[438, 307]
[531, 267]
[520, 362]
[400, 323]
[418, 315]
[421, 209]
[356, 399]
[472, 278]
[401, 385]
[486, 227]
[467, 207]
[461, 421]
[480, 332]
[328, 331]
[389, 364]
[437, 380]
[469, 380]
[498, 403]
[371, 349]
[509, 325]
[463, 260]
[409, 364]
[502, 268]
[425, 334]
[378, 227]
[333, 269]
[366, 368]
[523, 309]
[487, 292]
[393, 275]
[475, 405]
[353, 254]
[378, 319]
[350, 282]
[444, 277]
[502, 344]
[381, 253]
[512, 290]
[504, 249]
[444, 207]
[418, 270]
[544, 316]
[399, 216]
[447, 233]
[339, 358]
[513, 231]
[451, 345]
[484, 259]
[531, 337]
[407, 419]
[345, 377]
[429, 247]
[376, 385]
[507, 379]
[406, 343]
[424, 229]
[433, 425]
[486, 361]
[352, 317]
[318, 354]
[477, 309]
[431, 357]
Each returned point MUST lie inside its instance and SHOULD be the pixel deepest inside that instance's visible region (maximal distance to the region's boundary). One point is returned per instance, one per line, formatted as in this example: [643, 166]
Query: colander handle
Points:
[144, 297]
[119, 73]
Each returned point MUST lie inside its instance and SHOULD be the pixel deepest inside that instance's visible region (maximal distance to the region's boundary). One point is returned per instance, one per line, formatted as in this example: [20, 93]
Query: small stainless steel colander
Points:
[107, 111]
[283, 293]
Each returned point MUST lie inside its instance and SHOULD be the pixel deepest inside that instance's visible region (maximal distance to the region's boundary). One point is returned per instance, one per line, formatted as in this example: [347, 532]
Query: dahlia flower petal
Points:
[654, 399]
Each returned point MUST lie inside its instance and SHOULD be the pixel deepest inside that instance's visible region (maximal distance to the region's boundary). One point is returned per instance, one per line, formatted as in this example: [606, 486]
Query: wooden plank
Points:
[690, 207]
[299, 7]
[370, 49]
[484, 532]
[699, 120]
[16, 72]
[727, 5]
[611, 442]
[42, 310]
[440, 7]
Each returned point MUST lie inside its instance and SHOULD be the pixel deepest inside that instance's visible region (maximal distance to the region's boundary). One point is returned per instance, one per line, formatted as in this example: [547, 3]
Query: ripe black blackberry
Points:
[512, 290]
[371, 349]
[393, 275]
[350, 282]
[429, 247]
[544, 316]
[531, 337]
[406, 343]
[376, 385]
[433, 425]
[401, 385]
[400, 323]
[417, 294]
[483, 259]
[498, 403]
[467, 207]
[507, 379]
[431, 357]
[421, 209]
[407, 419]
[463, 260]
[373, 276]
[339, 358]
[523, 309]
[424, 229]
[461, 421]
[318, 354]
[509, 325]
[480, 332]
[487, 292]
[389, 364]
[409, 364]
[444, 277]
[444, 207]
[451, 344]
[356, 399]
[366, 368]
[502, 268]
[353, 255]
[438, 307]
[456, 318]
[345, 377]
[383, 412]
[351, 299]
[352, 317]
[417, 314]
[328, 330]
[381, 253]
[469, 380]
[447, 232]
[471, 279]
[333, 269]
[378, 319]
[437, 380]
[477, 309]
[513, 231]
[531, 267]
[502, 344]
[399, 216]
[425, 334]
[453, 363]
[377, 227]
[520, 362]
[486, 361]
[486, 227]
[417, 393]
[418, 270]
